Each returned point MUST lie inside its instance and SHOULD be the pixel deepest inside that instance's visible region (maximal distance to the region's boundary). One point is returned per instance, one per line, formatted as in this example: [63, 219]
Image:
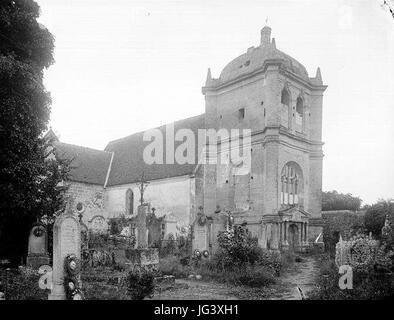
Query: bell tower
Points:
[270, 94]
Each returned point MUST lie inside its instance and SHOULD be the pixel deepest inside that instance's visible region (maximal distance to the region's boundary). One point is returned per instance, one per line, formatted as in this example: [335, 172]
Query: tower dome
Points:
[254, 59]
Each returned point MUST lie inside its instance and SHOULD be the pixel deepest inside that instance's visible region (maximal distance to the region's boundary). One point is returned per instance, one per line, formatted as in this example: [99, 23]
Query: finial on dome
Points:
[209, 77]
[273, 43]
[265, 36]
[318, 75]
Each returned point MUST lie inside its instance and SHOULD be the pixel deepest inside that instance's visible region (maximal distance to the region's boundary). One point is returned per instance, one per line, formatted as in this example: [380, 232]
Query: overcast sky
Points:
[124, 66]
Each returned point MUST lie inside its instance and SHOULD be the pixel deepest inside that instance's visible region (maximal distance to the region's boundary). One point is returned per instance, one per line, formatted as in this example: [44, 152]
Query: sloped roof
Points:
[87, 165]
[128, 163]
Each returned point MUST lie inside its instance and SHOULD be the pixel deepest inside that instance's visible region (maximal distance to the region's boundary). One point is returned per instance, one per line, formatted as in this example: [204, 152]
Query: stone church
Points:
[278, 198]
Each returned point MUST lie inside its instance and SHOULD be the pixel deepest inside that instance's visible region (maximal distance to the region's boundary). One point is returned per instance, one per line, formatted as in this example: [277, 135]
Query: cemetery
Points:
[88, 264]
[237, 209]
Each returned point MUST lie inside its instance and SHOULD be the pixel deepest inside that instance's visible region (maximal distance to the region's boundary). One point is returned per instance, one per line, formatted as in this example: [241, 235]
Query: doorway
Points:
[293, 237]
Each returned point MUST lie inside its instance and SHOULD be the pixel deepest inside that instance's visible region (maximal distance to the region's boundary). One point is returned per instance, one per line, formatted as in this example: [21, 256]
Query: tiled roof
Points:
[128, 163]
[87, 165]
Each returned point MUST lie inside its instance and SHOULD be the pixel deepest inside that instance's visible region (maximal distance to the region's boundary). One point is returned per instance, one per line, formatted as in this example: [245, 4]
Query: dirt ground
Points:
[301, 275]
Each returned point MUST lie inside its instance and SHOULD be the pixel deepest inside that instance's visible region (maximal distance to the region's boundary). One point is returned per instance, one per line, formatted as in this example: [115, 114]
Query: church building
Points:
[277, 197]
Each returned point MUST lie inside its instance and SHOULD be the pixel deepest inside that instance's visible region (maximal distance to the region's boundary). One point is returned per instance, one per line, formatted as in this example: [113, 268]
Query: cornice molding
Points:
[263, 69]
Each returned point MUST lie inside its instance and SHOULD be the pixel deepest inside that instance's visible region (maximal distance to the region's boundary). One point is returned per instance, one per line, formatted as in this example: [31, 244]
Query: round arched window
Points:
[291, 184]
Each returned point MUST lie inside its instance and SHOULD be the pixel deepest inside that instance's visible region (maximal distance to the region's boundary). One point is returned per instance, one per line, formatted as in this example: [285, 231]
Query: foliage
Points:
[363, 254]
[172, 265]
[28, 178]
[117, 224]
[332, 200]
[373, 285]
[237, 248]
[23, 285]
[103, 283]
[344, 224]
[249, 275]
[375, 216]
[140, 284]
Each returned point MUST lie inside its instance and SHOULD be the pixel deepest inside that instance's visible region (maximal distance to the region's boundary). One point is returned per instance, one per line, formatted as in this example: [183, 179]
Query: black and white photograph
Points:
[177, 150]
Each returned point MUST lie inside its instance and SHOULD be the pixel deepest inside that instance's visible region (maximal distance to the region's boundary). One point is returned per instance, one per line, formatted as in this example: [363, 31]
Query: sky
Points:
[124, 66]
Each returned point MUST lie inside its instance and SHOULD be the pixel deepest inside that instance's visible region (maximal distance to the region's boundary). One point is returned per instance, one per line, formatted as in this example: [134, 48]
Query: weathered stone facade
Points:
[279, 196]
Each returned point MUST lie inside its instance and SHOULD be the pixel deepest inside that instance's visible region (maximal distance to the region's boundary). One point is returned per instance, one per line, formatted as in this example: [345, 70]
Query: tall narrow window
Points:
[284, 108]
[241, 113]
[291, 180]
[129, 202]
[299, 115]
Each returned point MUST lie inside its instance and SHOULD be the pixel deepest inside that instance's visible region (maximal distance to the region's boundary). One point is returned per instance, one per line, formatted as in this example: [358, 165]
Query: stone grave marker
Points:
[66, 241]
[142, 234]
[200, 232]
[38, 247]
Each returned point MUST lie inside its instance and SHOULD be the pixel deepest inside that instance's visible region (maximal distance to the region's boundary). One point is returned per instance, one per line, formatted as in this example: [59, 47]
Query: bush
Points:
[372, 273]
[252, 276]
[376, 216]
[140, 285]
[238, 248]
[23, 285]
[172, 265]
[344, 224]
[370, 286]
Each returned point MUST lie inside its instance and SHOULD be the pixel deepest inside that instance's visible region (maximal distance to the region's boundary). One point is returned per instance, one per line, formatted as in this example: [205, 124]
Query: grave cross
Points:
[142, 186]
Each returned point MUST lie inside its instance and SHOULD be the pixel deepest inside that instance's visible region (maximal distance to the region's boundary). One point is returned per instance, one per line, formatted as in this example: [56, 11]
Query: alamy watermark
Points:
[223, 146]
[346, 280]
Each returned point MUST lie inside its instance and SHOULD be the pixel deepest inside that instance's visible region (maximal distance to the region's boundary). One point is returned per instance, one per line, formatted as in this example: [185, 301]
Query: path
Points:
[302, 275]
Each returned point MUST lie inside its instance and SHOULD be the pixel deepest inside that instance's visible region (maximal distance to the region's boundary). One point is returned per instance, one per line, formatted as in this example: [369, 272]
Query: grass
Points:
[252, 276]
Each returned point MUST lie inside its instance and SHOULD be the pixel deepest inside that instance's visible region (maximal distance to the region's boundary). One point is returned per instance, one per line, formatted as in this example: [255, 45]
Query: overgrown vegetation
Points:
[22, 284]
[239, 261]
[342, 224]
[372, 261]
[376, 214]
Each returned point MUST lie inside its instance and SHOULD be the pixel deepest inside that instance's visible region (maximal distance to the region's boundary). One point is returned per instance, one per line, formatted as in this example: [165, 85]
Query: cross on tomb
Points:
[142, 184]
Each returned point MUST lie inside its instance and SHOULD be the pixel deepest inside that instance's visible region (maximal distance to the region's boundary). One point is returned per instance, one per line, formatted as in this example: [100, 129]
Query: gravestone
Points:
[98, 224]
[66, 241]
[38, 246]
[142, 234]
[200, 232]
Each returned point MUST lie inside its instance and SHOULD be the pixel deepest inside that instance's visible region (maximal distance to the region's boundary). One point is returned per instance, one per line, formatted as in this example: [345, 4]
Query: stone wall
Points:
[172, 195]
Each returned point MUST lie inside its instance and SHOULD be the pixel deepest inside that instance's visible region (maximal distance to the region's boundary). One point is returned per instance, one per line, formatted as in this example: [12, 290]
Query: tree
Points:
[29, 176]
[332, 200]
[376, 214]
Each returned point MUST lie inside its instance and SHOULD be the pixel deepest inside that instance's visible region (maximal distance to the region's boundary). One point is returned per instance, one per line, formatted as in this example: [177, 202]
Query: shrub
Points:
[372, 272]
[344, 224]
[238, 248]
[140, 284]
[23, 285]
[274, 261]
[376, 216]
[172, 265]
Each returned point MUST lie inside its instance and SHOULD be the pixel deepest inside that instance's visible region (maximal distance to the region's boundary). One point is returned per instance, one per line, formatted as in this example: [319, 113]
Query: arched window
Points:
[284, 111]
[129, 202]
[285, 98]
[291, 184]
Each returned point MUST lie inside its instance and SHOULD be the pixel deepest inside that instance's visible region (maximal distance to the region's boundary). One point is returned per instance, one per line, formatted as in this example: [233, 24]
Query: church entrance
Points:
[293, 237]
